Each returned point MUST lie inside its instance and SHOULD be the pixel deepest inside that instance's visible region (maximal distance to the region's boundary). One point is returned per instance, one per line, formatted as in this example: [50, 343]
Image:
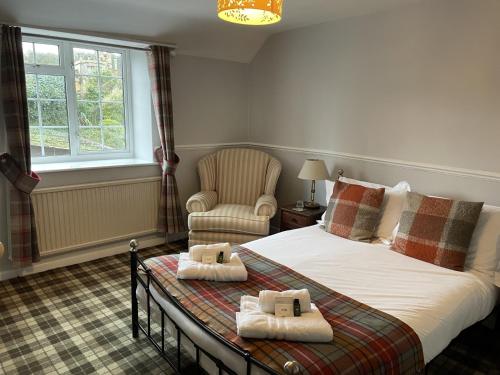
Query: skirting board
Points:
[81, 256]
[434, 168]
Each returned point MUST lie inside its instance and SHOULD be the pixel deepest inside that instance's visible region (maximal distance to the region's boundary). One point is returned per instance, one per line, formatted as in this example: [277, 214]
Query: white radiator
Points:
[74, 217]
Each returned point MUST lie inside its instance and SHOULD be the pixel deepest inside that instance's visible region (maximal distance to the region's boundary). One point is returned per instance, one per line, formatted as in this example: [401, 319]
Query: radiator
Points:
[73, 217]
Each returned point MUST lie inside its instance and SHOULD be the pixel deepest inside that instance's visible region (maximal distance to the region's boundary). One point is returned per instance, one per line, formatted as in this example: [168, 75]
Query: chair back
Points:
[239, 175]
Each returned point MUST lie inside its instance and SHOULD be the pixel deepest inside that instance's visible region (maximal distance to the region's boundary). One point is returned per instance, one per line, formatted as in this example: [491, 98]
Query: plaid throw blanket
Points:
[365, 340]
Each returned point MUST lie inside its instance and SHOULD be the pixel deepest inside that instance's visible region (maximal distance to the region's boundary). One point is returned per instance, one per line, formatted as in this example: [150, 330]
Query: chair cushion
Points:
[233, 218]
[241, 175]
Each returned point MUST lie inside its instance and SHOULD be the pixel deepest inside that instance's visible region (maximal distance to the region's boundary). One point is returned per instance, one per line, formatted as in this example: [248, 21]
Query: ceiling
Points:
[191, 24]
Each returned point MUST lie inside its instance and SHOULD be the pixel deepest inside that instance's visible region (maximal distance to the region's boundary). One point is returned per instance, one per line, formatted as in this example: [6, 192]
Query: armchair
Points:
[236, 200]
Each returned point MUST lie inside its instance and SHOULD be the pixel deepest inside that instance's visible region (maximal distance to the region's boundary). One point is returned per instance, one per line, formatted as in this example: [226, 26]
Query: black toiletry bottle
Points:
[220, 257]
[296, 307]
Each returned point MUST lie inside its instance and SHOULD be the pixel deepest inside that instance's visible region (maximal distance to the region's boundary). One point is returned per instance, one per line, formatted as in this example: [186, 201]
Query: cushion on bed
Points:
[392, 205]
[437, 230]
[353, 211]
[484, 251]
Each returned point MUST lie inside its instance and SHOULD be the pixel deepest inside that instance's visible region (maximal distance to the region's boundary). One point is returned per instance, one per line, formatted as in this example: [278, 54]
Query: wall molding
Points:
[427, 167]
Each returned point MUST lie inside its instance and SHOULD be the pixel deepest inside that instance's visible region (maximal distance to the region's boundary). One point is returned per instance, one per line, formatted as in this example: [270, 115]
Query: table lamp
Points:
[313, 169]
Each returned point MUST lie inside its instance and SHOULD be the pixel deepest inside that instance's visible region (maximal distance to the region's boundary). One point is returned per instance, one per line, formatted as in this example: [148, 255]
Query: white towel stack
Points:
[234, 270]
[196, 252]
[267, 299]
[251, 322]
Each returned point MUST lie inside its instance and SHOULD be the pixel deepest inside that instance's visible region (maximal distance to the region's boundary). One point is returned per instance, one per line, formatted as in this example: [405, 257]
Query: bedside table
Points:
[291, 219]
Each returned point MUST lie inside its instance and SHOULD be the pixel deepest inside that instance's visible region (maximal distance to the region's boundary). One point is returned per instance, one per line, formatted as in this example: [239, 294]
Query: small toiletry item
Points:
[220, 257]
[296, 307]
[283, 307]
[208, 259]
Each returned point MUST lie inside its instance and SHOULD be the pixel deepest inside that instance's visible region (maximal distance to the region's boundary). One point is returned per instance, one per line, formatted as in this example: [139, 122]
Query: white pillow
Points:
[484, 250]
[392, 206]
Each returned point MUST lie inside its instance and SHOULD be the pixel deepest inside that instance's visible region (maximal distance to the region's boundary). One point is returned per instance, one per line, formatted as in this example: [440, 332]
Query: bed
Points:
[437, 303]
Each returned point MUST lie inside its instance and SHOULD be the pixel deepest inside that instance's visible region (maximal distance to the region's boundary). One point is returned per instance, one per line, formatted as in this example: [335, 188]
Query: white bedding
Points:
[436, 302]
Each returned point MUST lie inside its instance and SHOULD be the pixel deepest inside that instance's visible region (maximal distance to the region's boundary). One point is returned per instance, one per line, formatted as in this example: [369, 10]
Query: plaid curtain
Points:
[16, 165]
[170, 218]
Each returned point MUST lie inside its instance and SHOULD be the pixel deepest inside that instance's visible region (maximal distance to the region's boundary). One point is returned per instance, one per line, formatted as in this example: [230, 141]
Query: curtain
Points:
[170, 218]
[16, 165]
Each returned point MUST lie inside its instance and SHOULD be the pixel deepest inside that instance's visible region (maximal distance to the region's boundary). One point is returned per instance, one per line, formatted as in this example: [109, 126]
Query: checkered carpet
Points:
[76, 320]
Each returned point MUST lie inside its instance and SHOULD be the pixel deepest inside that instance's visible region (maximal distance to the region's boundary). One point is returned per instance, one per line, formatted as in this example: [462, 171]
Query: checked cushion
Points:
[353, 211]
[437, 230]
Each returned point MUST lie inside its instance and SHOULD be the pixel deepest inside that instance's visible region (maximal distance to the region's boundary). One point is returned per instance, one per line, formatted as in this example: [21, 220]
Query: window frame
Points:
[67, 70]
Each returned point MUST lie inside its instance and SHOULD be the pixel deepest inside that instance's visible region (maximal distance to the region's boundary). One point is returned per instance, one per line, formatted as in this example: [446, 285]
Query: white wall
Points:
[417, 85]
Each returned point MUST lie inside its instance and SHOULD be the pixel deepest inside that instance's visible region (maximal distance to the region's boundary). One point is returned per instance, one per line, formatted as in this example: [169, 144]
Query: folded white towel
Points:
[267, 299]
[251, 322]
[197, 251]
[234, 270]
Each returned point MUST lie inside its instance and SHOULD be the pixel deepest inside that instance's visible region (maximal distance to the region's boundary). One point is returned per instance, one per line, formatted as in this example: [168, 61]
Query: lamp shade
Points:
[250, 12]
[314, 169]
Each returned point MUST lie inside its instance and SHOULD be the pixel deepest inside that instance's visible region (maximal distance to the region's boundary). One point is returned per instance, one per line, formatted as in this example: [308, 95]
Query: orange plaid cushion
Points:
[437, 230]
[353, 211]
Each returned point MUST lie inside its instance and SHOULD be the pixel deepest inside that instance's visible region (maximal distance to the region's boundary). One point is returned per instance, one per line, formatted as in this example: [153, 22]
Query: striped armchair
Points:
[236, 200]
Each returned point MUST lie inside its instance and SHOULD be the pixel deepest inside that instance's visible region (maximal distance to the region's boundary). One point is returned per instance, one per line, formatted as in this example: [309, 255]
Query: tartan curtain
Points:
[16, 165]
[170, 217]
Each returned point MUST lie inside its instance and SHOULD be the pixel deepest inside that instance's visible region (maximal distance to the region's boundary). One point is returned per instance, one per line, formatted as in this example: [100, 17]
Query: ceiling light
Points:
[250, 12]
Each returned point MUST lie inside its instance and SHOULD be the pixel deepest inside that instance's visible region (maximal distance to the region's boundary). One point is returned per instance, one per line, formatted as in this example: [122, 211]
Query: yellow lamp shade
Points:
[250, 12]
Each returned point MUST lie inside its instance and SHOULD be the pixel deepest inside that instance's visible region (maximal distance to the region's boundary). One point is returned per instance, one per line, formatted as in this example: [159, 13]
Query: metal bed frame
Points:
[149, 280]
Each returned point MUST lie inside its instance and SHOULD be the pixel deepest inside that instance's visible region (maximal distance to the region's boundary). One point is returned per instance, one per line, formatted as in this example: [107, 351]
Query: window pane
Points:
[31, 85]
[111, 89]
[114, 138]
[86, 88]
[85, 61]
[56, 142]
[112, 114]
[51, 87]
[29, 56]
[54, 113]
[110, 64]
[90, 139]
[36, 146]
[88, 113]
[46, 54]
[33, 113]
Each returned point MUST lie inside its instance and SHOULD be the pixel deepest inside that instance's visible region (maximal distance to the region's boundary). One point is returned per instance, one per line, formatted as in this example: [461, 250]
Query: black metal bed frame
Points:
[290, 367]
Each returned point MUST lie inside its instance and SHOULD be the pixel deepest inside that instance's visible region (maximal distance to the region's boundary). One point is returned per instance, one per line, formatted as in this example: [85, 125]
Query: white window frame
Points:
[66, 69]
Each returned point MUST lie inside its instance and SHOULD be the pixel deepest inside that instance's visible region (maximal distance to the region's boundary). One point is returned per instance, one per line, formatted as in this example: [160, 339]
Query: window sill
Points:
[85, 165]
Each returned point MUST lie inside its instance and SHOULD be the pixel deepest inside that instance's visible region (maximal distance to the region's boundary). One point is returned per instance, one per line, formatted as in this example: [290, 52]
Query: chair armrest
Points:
[266, 206]
[202, 202]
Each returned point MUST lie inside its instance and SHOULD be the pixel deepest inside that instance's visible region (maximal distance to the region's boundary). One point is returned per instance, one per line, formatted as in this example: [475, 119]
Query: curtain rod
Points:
[104, 44]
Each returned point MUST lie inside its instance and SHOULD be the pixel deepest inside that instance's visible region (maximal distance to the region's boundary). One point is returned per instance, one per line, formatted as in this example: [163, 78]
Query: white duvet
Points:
[436, 302]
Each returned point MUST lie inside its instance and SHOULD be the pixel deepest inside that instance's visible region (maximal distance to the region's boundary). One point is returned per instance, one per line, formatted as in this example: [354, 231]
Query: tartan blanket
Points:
[366, 340]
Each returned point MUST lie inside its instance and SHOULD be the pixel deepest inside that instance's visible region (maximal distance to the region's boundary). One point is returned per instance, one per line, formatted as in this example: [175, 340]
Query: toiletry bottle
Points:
[296, 307]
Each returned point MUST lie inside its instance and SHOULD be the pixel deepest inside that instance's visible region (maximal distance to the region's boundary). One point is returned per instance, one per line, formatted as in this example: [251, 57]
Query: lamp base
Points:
[311, 205]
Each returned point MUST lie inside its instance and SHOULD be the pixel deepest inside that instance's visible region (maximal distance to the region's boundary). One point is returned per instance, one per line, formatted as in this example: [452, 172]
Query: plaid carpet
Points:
[76, 320]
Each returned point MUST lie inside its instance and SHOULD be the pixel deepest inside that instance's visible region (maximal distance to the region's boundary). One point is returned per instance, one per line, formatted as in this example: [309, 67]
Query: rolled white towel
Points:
[251, 322]
[267, 299]
[197, 251]
[234, 270]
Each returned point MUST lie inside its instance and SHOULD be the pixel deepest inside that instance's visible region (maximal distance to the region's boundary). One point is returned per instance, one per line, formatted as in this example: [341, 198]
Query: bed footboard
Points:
[173, 355]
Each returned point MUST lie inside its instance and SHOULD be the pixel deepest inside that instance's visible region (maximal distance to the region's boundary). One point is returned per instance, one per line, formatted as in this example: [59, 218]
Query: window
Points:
[77, 100]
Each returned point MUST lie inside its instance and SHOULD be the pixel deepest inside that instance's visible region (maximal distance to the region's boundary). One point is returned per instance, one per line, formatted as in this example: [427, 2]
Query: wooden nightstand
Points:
[291, 219]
